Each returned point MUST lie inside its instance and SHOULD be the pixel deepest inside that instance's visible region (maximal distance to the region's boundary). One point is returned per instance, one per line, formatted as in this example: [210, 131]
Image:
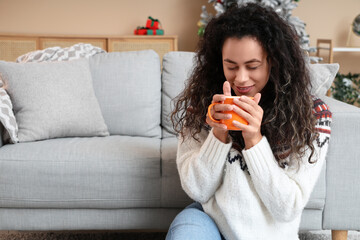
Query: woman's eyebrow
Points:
[253, 60]
[229, 61]
[250, 61]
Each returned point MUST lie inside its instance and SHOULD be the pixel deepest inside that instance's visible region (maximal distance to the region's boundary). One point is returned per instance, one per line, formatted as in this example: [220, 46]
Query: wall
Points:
[101, 17]
[324, 18]
[331, 19]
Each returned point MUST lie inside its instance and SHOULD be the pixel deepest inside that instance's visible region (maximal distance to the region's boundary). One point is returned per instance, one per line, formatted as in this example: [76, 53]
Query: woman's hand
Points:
[220, 130]
[251, 111]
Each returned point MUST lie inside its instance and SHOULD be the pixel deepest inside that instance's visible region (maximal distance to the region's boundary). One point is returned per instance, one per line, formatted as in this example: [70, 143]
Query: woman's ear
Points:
[269, 62]
[269, 66]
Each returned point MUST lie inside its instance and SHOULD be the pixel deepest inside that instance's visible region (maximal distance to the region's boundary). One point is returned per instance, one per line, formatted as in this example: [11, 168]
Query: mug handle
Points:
[209, 112]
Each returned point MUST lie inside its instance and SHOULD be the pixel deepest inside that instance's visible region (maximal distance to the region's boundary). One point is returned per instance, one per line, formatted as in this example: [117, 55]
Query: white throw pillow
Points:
[321, 77]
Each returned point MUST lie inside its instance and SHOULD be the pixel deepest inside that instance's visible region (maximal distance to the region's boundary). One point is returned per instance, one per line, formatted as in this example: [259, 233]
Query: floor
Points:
[112, 235]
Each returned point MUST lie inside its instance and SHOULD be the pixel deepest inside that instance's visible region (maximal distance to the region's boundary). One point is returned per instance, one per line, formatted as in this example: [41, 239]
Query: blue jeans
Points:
[193, 223]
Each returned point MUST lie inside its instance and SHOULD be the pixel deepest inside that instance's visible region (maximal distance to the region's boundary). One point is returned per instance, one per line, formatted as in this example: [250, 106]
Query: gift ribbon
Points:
[153, 19]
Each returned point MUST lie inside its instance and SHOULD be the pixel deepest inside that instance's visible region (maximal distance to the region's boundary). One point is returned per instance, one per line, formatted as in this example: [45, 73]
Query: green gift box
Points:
[155, 32]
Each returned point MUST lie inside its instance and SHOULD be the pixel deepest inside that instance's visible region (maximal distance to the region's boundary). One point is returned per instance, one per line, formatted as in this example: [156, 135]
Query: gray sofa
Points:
[128, 180]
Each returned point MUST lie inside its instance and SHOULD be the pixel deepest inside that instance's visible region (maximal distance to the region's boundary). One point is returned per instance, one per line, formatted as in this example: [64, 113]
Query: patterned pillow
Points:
[51, 54]
[7, 117]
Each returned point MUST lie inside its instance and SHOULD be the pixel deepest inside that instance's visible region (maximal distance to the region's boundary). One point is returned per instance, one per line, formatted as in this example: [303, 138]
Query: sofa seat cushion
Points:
[172, 194]
[98, 172]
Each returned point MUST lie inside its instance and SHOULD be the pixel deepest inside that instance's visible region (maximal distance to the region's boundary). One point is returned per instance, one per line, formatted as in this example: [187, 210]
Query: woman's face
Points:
[245, 65]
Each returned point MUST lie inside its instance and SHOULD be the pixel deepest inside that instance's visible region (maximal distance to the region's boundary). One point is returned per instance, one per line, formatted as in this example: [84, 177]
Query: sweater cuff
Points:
[213, 149]
[260, 158]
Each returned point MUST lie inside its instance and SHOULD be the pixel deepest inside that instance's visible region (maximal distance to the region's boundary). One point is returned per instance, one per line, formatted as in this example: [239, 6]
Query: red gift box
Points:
[152, 28]
[140, 31]
[145, 31]
[152, 23]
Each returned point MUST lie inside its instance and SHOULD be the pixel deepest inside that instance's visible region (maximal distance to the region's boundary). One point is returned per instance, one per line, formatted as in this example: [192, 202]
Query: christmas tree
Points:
[282, 7]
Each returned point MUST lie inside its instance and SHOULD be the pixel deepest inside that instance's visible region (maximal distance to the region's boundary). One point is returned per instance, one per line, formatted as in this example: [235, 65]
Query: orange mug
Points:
[235, 116]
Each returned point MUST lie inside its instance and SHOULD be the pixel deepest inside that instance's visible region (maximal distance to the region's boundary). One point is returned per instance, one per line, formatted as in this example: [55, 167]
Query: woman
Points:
[253, 183]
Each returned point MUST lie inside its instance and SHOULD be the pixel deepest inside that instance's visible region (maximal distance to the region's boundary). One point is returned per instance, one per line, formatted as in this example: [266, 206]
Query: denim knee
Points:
[193, 223]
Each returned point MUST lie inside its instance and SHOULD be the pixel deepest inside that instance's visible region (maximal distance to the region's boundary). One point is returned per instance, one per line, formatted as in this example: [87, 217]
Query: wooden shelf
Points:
[346, 49]
[160, 44]
[14, 45]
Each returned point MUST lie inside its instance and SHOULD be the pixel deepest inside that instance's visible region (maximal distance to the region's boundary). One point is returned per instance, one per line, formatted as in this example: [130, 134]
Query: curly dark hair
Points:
[288, 121]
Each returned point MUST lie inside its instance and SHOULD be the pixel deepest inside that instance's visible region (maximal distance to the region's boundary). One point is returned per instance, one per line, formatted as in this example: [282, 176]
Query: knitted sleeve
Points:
[285, 192]
[201, 165]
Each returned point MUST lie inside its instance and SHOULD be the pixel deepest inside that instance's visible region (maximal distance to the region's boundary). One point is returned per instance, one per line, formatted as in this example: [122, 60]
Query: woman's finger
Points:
[257, 98]
[214, 124]
[222, 107]
[218, 98]
[249, 105]
[222, 116]
[241, 126]
[244, 114]
[218, 111]
[227, 88]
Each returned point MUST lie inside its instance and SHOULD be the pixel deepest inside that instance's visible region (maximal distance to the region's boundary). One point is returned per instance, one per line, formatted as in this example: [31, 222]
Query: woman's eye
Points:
[252, 67]
[232, 68]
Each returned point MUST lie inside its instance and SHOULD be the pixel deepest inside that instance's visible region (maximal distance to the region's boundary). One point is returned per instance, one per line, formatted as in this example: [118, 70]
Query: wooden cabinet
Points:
[13, 46]
[160, 44]
[46, 42]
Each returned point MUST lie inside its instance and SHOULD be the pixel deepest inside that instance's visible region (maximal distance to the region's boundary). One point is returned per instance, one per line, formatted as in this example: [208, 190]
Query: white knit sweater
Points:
[247, 194]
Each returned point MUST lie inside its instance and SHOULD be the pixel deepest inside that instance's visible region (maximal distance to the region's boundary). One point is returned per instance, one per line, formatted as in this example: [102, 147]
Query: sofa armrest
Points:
[342, 205]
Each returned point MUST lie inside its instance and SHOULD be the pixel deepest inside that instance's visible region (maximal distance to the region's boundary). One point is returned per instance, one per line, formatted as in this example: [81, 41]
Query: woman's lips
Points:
[244, 90]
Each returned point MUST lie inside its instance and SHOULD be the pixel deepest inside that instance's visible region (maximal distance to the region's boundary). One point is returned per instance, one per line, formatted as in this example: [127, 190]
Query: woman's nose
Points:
[241, 75]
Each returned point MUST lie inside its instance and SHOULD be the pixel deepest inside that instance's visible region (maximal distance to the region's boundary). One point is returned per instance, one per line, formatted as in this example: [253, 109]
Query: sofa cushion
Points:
[322, 76]
[177, 67]
[128, 87]
[53, 99]
[99, 172]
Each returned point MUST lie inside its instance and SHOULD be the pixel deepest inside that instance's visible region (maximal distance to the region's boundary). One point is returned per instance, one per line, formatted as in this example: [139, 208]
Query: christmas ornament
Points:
[356, 25]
